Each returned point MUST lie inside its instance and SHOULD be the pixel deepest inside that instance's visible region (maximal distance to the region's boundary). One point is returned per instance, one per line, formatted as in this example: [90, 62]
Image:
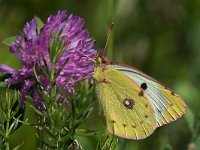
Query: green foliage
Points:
[2, 84]
[190, 120]
[59, 123]
[12, 114]
[168, 147]
[197, 143]
[107, 142]
[194, 126]
[122, 143]
[40, 23]
[9, 41]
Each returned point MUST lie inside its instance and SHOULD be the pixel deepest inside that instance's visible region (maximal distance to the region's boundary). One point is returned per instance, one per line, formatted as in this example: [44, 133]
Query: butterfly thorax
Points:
[98, 73]
[101, 65]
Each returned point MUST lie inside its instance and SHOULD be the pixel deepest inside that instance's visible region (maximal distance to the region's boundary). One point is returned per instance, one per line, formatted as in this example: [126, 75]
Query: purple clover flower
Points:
[31, 45]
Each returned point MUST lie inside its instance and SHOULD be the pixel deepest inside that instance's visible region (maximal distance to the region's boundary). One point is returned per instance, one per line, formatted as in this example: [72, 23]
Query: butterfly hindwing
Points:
[167, 105]
[128, 112]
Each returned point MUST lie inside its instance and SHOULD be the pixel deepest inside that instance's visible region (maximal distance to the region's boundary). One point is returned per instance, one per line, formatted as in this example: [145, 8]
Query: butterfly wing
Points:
[128, 114]
[167, 105]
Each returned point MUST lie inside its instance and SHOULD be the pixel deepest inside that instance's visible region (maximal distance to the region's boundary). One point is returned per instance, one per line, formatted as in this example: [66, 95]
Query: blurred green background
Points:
[161, 38]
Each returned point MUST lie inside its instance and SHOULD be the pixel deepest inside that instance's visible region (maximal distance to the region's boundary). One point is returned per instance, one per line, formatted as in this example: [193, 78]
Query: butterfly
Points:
[133, 103]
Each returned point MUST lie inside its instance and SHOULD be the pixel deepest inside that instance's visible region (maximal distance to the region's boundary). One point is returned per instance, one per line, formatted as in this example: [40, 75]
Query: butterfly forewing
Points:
[128, 112]
[167, 105]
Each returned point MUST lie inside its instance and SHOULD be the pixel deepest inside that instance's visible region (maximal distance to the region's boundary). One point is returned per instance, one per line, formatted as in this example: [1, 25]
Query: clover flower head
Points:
[32, 48]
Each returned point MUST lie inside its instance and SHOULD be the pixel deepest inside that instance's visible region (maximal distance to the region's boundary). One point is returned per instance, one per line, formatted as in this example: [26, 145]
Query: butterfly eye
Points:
[144, 86]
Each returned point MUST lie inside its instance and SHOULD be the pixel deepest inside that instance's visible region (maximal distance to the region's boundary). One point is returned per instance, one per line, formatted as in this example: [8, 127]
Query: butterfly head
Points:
[101, 63]
[101, 59]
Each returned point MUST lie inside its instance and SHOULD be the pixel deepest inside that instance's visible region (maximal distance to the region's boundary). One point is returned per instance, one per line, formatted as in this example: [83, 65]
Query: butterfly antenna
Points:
[86, 56]
[108, 38]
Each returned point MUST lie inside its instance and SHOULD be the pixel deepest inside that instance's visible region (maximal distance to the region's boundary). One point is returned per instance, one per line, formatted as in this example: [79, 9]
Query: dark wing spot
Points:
[146, 116]
[141, 93]
[113, 121]
[104, 81]
[172, 92]
[124, 125]
[146, 105]
[133, 126]
[128, 103]
[144, 86]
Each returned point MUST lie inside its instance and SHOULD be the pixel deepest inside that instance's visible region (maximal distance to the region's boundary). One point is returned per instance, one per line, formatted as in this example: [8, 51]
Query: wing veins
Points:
[135, 113]
[154, 99]
[169, 103]
[163, 105]
[159, 99]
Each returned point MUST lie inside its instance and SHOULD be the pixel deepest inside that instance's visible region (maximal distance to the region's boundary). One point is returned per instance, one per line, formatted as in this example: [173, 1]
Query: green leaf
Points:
[168, 147]
[43, 142]
[18, 116]
[9, 41]
[36, 110]
[107, 143]
[18, 147]
[2, 84]
[190, 120]
[122, 143]
[197, 144]
[40, 23]
[84, 132]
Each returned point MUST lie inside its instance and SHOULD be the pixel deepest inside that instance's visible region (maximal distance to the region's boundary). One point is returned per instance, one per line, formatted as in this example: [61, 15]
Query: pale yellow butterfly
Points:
[133, 103]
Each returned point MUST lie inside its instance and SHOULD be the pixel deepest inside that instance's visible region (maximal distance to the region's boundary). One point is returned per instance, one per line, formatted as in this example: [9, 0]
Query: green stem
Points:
[6, 142]
[52, 73]
[51, 81]
[5, 139]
